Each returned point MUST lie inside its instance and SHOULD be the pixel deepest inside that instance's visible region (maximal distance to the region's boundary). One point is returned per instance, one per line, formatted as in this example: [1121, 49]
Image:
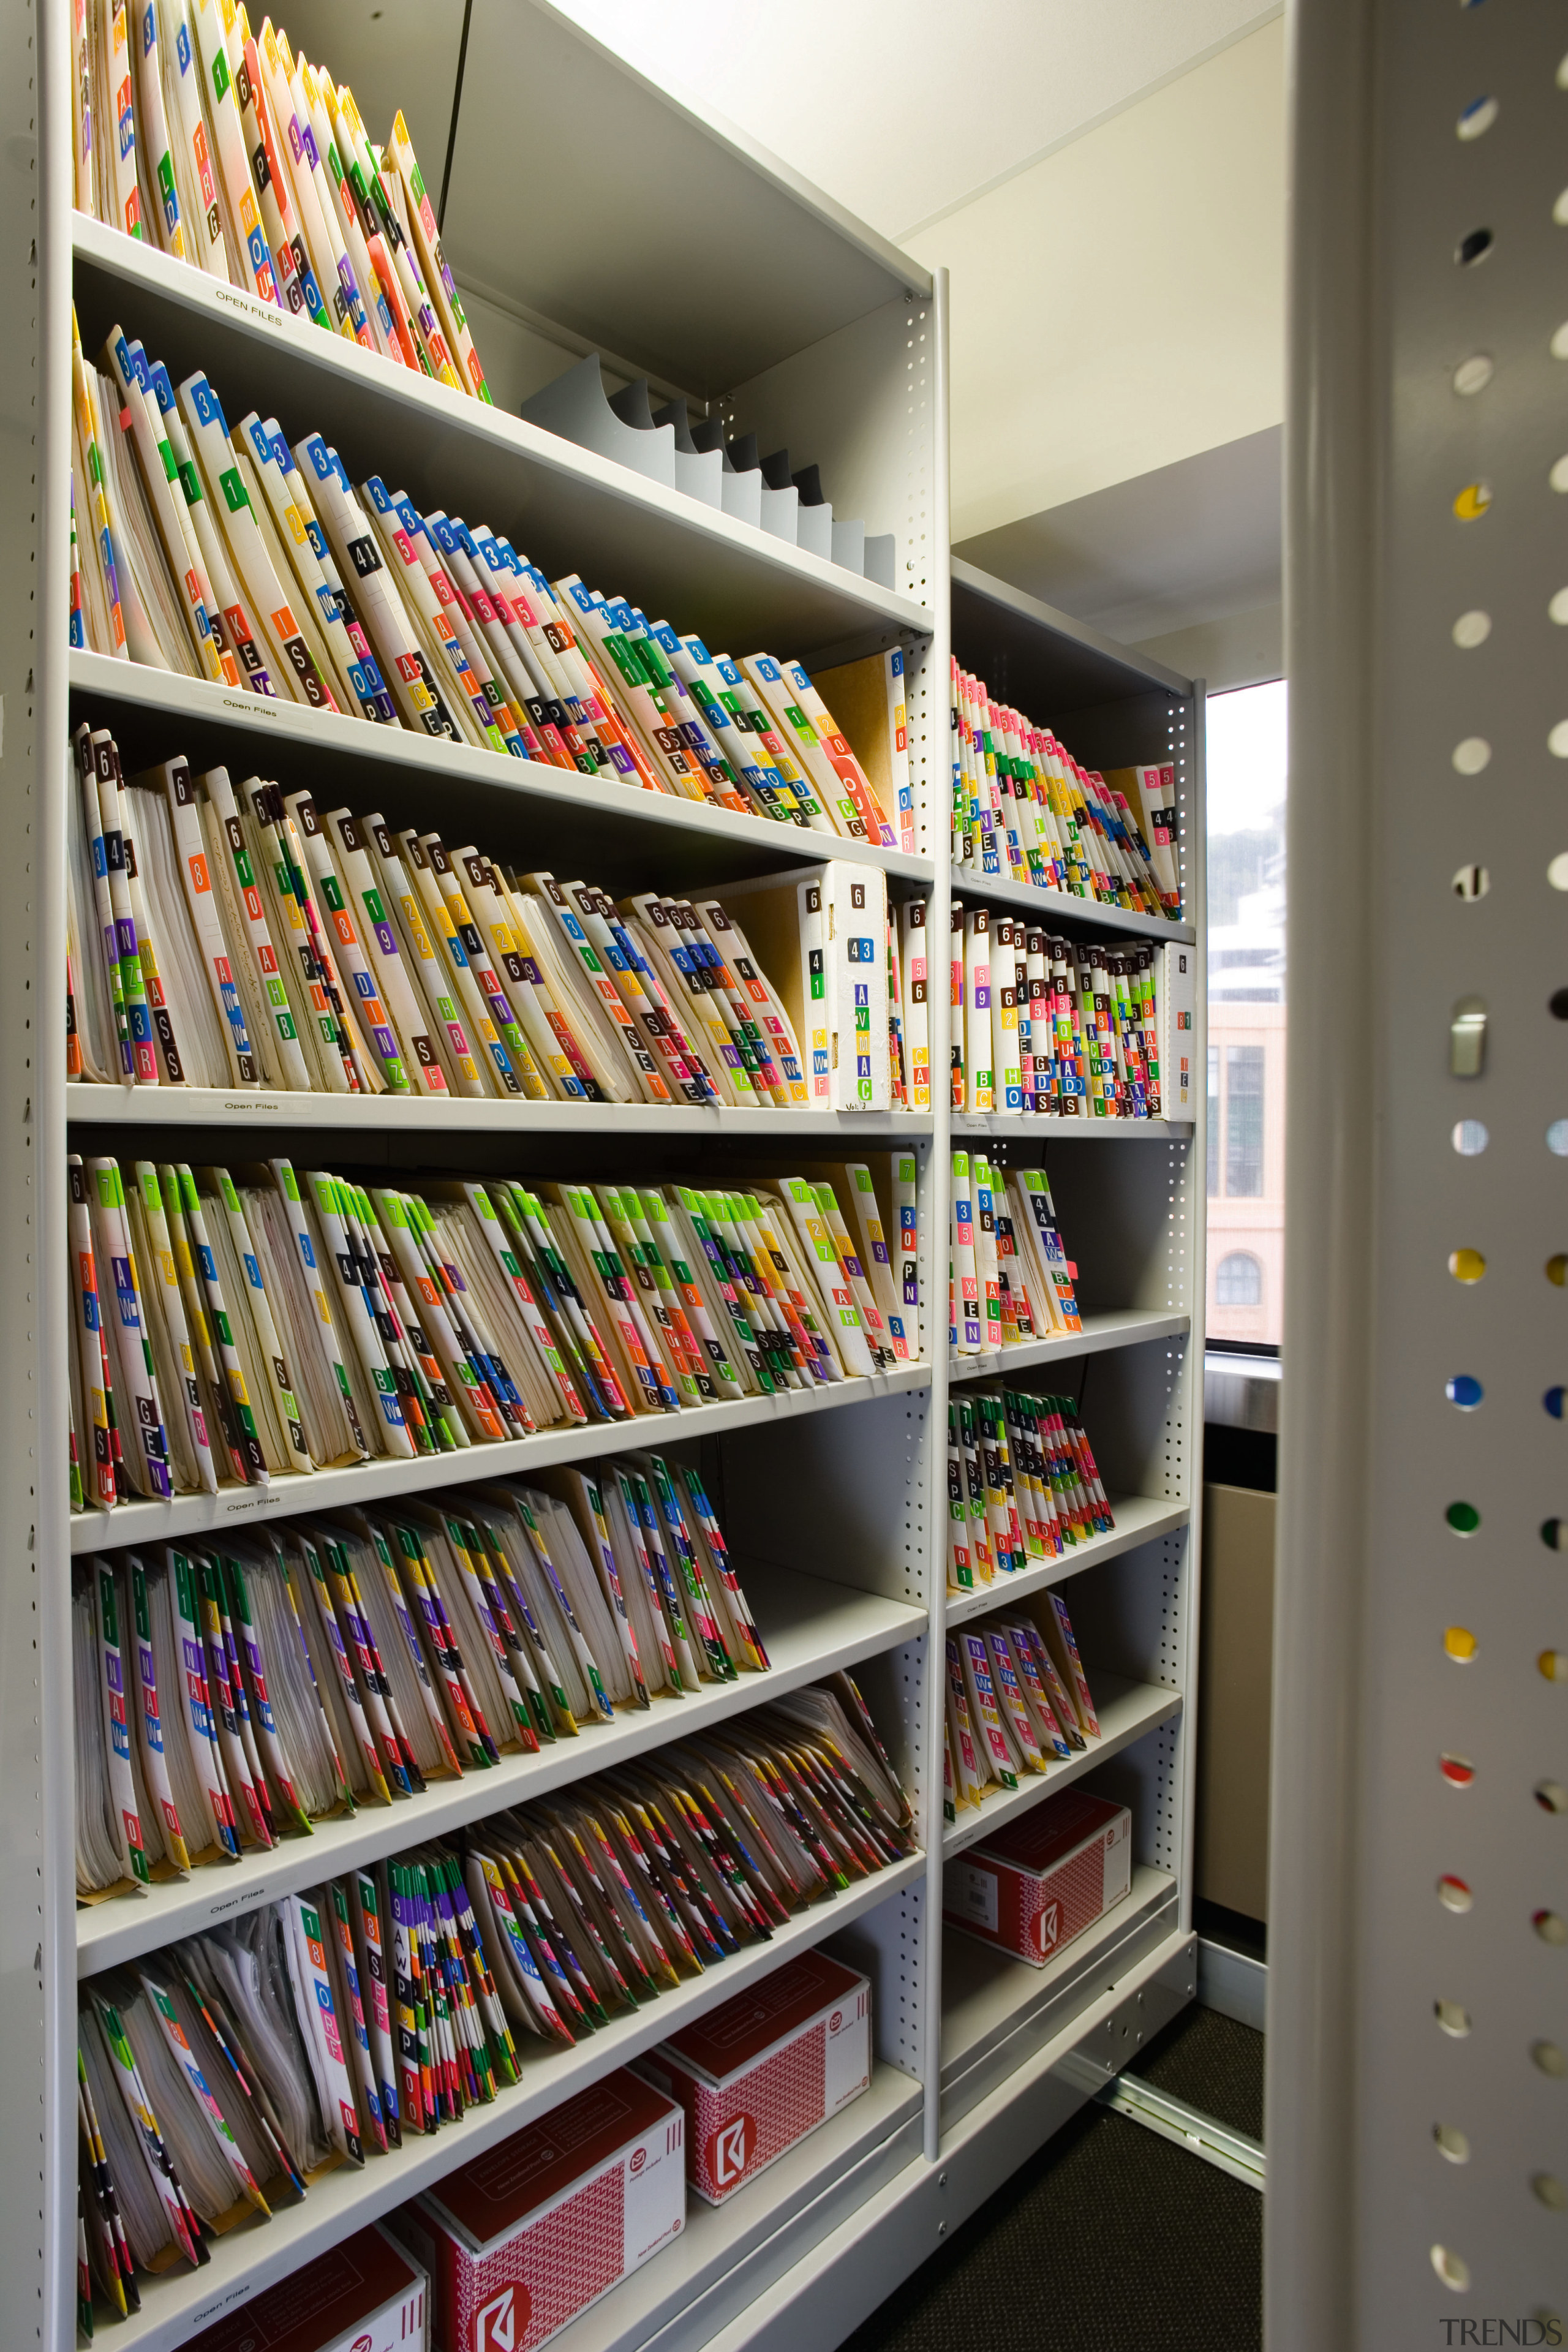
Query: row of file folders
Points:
[243, 937]
[254, 561]
[220, 2077]
[238, 1325]
[236, 1690]
[238, 155]
[1025, 811]
[1018, 1703]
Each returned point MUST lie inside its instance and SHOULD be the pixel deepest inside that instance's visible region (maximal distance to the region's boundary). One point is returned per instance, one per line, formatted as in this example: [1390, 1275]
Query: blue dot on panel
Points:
[1555, 1400]
[1466, 1392]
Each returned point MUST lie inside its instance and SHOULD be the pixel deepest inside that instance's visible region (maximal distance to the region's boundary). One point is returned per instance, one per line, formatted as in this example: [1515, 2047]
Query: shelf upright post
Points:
[1325, 1441]
[939, 848]
[1187, 1246]
[1417, 2142]
[38, 1955]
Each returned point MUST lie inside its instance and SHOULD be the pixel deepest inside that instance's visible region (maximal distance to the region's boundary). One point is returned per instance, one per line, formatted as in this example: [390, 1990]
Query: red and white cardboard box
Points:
[1034, 1886]
[365, 2296]
[756, 2075]
[524, 2237]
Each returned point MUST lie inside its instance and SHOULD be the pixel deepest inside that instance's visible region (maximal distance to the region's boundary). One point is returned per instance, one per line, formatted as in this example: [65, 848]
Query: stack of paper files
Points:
[1009, 1276]
[1018, 1701]
[1053, 1028]
[255, 562]
[243, 937]
[850, 964]
[235, 1327]
[1024, 809]
[232, 1691]
[1022, 1483]
[226, 2073]
[237, 156]
[234, 154]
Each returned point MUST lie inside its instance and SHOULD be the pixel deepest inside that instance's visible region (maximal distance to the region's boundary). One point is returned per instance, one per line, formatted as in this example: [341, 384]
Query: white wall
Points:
[1120, 305]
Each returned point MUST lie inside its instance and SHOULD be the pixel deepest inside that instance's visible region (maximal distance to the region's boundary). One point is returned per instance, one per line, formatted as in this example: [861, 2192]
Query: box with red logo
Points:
[758, 2074]
[365, 2296]
[524, 2237]
[1032, 1887]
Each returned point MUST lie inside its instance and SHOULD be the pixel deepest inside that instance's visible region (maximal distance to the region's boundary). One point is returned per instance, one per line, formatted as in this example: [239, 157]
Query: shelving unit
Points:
[834, 1502]
[1019, 2047]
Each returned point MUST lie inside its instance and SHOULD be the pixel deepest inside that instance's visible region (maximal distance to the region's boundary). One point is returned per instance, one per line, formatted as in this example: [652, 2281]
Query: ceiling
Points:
[868, 103]
[902, 114]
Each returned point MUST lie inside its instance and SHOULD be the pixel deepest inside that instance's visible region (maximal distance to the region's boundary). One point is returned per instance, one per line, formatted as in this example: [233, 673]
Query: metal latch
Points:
[1468, 1037]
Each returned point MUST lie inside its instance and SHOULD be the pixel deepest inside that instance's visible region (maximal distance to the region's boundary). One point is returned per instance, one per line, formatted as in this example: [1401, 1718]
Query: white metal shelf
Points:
[727, 2254]
[988, 1995]
[1084, 2039]
[478, 785]
[1126, 1711]
[1139, 1519]
[751, 261]
[415, 1115]
[809, 1627]
[191, 1516]
[177, 2305]
[1065, 907]
[583, 513]
[1064, 663]
[1117, 1327]
[1004, 1123]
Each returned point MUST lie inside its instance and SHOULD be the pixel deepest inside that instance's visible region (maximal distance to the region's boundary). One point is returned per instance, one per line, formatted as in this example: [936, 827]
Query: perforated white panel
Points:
[1422, 2010]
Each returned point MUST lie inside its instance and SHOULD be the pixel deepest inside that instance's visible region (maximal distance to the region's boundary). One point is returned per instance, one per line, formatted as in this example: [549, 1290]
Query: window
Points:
[1244, 1169]
[1238, 1280]
[1244, 1122]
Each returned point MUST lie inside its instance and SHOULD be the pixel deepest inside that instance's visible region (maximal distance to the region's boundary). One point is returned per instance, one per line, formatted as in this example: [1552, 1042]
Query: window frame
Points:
[1239, 1257]
[1223, 1243]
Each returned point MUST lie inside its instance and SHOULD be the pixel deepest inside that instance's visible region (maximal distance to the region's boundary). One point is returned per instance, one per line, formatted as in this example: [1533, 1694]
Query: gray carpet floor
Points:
[1110, 2238]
